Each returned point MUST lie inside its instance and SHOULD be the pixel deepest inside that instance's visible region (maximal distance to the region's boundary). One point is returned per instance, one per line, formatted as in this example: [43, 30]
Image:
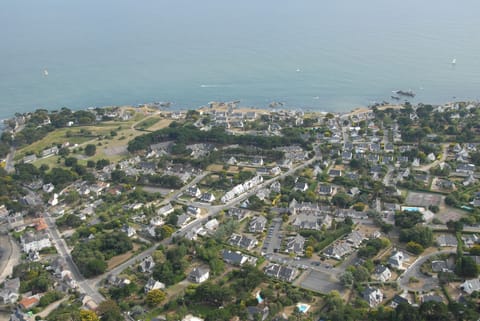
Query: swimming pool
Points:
[303, 307]
[412, 209]
[259, 298]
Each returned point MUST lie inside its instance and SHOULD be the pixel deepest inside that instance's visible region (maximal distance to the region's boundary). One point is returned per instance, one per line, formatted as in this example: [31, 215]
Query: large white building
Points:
[35, 242]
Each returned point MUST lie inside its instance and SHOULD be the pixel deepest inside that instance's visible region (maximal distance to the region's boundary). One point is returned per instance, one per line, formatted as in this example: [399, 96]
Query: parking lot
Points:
[273, 240]
[423, 199]
[318, 281]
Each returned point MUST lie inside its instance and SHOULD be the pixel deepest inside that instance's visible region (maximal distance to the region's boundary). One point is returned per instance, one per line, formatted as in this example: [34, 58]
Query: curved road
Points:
[414, 271]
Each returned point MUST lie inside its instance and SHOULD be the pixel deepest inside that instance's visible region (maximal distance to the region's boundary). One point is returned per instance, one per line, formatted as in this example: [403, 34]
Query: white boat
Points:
[298, 70]
[45, 72]
[454, 61]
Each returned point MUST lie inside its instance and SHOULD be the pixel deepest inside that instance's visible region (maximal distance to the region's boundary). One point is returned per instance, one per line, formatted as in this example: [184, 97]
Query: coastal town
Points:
[236, 213]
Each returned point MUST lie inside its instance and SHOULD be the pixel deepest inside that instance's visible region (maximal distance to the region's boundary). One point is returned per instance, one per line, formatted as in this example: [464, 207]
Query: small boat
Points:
[45, 72]
[454, 61]
[298, 70]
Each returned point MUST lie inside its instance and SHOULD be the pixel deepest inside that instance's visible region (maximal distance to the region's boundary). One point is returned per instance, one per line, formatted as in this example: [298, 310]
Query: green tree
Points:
[90, 150]
[88, 315]
[155, 297]
[346, 279]
[414, 247]
[108, 310]
[466, 267]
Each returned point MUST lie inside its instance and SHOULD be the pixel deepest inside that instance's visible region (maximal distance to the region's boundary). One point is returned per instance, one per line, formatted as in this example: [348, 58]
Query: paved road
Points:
[414, 271]
[10, 256]
[62, 249]
[435, 163]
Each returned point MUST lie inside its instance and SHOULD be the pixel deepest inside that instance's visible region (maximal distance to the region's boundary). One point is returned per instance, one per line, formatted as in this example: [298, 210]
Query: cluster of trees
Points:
[69, 220]
[209, 253]
[10, 190]
[465, 266]
[320, 239]
[50, 297]
[91, 256]
[189, 134]
[408, 219]
[167, 181]
[422, 235]
[33, 277]
[173, 269]
[372, 247]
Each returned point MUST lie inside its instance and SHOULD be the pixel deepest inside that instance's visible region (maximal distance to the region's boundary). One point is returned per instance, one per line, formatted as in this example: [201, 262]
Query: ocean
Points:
[308, 54]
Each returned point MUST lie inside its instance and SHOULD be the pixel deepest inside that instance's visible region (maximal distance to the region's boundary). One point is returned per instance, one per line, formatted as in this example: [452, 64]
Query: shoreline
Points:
[232, 107]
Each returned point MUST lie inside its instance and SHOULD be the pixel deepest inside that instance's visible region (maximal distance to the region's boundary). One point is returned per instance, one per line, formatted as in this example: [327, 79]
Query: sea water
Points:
[307, 54]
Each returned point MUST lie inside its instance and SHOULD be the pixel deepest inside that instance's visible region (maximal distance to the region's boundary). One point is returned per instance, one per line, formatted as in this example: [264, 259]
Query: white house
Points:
[153, 284]
[207, 197]
[382, 273]
[35, 242]
[470, 286]
[199, 275]
[211, 225]
[165, 210]
[396, 260]
[373, 296]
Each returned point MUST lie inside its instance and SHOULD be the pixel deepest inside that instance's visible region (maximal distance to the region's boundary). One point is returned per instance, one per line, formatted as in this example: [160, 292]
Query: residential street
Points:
[414, 271]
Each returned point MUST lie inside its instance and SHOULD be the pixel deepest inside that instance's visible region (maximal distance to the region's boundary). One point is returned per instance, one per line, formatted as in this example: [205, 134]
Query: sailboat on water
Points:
[454, 61]
[45, 72]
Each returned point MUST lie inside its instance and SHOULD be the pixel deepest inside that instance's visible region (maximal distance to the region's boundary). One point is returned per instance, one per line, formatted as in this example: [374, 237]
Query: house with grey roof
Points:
[238, 213]
[338, 250]
[440, 266]
[243, 241]
[11, 291]
[396, 260]
[326, 190]
[355, 238]
[373, 296]
[295, 244]
[147, 265]
[165, 210]
[207, 197]
[199, 275]
[470, 286]
[153, 284]
[257, 313]
[257, 224]
[382, 273]
[281, 272]
[35, 241]
[447, 240]
[237, 258]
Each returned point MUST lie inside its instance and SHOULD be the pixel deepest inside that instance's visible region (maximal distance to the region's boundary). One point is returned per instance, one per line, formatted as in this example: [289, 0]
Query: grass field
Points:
[113, 148]
[147, 123]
